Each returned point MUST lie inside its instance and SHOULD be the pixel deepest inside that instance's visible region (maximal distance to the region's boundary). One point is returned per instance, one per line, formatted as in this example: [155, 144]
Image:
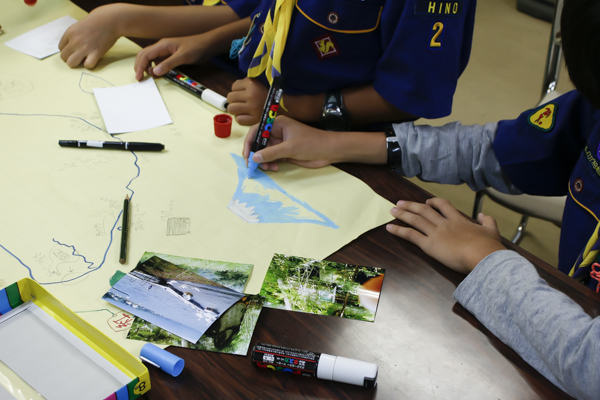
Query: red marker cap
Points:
[222, 125]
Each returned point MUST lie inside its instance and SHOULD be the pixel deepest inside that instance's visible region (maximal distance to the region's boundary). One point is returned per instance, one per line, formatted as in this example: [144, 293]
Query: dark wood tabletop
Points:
[425, 343]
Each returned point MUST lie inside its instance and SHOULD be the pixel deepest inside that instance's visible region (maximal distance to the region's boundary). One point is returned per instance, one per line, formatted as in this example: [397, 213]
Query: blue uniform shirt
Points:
[553, 150]
[411, 51]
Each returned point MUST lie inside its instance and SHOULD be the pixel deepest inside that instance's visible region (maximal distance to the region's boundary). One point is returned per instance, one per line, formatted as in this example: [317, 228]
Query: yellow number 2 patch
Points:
[437, 29]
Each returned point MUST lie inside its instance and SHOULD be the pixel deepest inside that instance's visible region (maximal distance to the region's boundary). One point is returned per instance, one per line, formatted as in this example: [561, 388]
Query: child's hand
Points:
[295, 143]
[167, 54]
[443, 233]
[247, 100]
[89, 39]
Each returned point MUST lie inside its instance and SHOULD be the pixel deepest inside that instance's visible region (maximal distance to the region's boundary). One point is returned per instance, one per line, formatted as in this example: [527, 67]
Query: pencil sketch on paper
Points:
[261, 200]
[14, 86]
[178, 226]
[88, 82]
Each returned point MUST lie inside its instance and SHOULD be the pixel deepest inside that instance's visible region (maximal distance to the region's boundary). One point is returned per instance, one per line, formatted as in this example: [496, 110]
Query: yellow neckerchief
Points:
[267, 57]
[590, 253]
[207, 2]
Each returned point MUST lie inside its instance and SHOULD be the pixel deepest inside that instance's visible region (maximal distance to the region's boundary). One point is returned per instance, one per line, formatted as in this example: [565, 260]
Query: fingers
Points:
[248, 142]
[444, 207]
[419, 216]
[408, 234]
[144, 60]
[487, 221]
[239, 85]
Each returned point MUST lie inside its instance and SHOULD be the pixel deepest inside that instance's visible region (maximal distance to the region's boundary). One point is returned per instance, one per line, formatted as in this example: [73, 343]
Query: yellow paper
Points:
[60, 206]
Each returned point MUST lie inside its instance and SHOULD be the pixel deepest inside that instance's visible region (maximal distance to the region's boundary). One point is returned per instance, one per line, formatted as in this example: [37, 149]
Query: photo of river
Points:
[186, 307]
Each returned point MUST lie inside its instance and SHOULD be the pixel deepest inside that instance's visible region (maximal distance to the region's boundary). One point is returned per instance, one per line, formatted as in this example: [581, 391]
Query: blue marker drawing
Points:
[261, 200]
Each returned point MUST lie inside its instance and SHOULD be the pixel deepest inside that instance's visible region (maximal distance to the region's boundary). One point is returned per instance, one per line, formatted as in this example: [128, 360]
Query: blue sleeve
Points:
[243, 8]
[538, 150]
[426, 48]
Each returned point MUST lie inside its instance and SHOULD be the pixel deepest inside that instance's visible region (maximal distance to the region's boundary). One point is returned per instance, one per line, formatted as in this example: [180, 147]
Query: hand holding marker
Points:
[211, 97]
[266, 123]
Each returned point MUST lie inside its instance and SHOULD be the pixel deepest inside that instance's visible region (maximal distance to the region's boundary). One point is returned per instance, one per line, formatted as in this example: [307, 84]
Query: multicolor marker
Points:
[185, 82]
[266, 122]
[321, 365]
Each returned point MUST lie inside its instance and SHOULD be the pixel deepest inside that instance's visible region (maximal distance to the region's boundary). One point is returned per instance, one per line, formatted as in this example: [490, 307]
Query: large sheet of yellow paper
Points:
[61, 207]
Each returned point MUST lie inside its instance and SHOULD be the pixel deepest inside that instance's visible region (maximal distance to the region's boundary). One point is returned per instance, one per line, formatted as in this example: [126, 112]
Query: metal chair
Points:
[548, 208]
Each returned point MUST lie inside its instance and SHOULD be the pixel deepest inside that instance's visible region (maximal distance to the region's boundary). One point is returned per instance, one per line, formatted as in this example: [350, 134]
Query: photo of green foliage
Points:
[230, 334]
[322, 287]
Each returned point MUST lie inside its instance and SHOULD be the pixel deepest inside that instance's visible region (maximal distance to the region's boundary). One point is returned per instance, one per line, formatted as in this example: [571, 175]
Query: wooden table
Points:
[421, 337]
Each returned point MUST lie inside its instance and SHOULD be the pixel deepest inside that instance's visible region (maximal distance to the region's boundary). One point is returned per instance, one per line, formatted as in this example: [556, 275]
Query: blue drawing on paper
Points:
[261, 200]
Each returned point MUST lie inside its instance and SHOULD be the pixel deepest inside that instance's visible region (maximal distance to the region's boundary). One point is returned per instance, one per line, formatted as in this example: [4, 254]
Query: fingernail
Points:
[394, 209]
[399, 202]
[157, 71]
[389, 227]
[258, 158]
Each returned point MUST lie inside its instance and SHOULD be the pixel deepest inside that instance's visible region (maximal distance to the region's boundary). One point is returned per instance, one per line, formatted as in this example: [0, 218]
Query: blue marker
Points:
[266, 123]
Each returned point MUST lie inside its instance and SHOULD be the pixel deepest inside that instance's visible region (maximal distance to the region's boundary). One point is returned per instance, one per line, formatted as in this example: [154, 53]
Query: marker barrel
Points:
[308, 363]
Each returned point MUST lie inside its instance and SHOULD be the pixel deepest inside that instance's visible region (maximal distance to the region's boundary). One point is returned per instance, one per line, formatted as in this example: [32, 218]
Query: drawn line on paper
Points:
[52, 115]
[91, 267]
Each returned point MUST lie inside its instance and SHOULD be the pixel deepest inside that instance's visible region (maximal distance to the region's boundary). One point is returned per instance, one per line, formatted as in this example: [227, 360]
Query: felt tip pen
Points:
[266, 122]
[321, 365]
[185, 82]
[96, 144]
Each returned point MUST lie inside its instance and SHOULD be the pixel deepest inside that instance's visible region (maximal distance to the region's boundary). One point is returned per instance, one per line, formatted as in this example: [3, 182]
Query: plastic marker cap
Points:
[252, 166]
[168, 362]
[347, 370]
[222, 125]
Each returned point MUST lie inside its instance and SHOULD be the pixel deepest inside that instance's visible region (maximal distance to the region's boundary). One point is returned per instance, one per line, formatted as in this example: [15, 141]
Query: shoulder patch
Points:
[439, 8]
[543, 118]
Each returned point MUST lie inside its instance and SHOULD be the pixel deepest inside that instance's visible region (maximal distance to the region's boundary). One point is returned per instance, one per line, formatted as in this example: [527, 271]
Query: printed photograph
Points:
[322, 287]
[174, 297]
[230, 333]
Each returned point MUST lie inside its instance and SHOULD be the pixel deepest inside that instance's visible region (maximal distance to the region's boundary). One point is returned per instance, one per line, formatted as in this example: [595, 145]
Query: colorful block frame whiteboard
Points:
[27, 290]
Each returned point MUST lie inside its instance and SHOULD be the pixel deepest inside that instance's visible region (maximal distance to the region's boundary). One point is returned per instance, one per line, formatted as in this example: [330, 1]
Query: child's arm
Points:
[453, 153]
[505, 293]
[364, 105]
[89, 39]
[296, 143]
[169, 53]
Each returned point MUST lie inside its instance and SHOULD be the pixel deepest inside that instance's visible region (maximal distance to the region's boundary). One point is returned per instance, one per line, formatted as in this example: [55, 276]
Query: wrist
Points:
[306, 108]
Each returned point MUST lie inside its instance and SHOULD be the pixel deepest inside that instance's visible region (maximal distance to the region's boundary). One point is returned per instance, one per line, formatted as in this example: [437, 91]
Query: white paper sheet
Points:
[43, 41]
[132, 107]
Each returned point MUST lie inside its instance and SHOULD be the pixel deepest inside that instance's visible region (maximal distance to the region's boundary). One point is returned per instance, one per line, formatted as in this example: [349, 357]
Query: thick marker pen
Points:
[266, 122]
[185, 82]
[323, 366]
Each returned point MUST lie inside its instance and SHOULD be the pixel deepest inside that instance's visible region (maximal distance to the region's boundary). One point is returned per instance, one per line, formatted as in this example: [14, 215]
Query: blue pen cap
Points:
[168, 362]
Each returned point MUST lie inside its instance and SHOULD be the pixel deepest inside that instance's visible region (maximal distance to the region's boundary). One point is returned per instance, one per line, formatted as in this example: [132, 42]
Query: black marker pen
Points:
[98, 144]
[307, 363]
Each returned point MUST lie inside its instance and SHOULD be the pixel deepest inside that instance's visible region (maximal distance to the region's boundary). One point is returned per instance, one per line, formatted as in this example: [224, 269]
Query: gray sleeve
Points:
[545, 327]
[453, 153]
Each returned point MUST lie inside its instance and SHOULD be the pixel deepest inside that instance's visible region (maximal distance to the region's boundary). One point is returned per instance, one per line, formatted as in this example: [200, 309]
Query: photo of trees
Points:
[322, 287]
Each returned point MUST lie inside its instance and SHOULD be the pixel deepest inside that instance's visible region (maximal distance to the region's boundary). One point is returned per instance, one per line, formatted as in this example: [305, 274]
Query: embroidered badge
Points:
[439, 8]
[325, 47]
[543, 117]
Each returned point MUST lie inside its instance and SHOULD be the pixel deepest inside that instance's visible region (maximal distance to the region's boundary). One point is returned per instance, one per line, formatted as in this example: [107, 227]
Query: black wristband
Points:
[393, 148]
[334, 116]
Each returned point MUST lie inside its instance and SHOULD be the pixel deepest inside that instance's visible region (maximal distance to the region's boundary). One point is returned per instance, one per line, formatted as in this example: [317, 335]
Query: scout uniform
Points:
[411, 51]
[559, 154]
